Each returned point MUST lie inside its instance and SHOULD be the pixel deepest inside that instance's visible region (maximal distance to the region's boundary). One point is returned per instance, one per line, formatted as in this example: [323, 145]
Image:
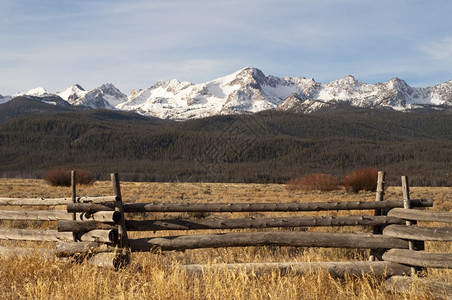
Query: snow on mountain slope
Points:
[4, 99]
[440, 94]
[36, 92]
[294, 104]
[72, 93]
[39, 94]
[249, 90]
[106, 96]
[246, 91]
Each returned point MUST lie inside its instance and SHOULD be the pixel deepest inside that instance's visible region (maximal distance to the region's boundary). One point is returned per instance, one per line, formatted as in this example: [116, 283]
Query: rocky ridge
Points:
[249, 90]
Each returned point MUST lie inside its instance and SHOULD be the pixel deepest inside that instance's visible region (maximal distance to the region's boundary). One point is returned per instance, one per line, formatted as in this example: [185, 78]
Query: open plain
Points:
[159, 276]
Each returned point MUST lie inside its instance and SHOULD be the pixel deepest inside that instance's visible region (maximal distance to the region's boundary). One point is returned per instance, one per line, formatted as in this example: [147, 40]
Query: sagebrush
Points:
[60, 176]
[362, 179]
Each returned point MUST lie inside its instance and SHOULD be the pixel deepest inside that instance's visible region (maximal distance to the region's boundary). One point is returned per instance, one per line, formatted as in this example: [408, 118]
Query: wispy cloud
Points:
[438, 49]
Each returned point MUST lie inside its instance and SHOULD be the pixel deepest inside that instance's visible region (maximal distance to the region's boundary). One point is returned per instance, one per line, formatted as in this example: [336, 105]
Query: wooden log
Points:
[246, 207]
[35, 215]
[109, 260]
[34, 235]
[421, 215]
[377, 229]
[100, 236]
[99, 199]
[335, 269]
[74, 196]
[122, 230]
[90, 207]
[407, 205]
[83, 226]
[245, 239]
[419, 258]
[419, 287]
[34, 201]
[9, 252]
[419, 233]
[103, 260]
[407, 201]
[67, 249]
[194, 224]
[53, 201]
[101, 216]
[380, 195]
[263, 207]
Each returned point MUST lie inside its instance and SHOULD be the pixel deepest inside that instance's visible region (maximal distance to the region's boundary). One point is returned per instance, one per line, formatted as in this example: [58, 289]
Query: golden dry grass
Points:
[156, 276]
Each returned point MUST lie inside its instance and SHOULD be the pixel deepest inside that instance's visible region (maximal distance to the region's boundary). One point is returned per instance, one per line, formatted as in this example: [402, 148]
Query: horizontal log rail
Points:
[242, 223]
[101, 236]
[34, 235]
[245, 239]
[335, 269]
[237, 223]
[421, 215]
[241, 239]
[35, 215]
[101, 216]
[53, 201]
[419, 233]
[419, 258]
[34, 201]
[39, 235]
[83, 226]
[56, 215]
[247, 207]
[21, 252]
[68, 249]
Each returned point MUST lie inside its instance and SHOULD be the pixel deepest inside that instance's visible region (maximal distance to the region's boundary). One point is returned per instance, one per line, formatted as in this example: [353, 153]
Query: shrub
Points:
[363, 179]
[60, 176]
[321, 182]
[84, 177]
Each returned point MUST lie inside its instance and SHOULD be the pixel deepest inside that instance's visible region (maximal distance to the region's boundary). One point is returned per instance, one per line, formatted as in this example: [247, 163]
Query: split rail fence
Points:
[96, 228]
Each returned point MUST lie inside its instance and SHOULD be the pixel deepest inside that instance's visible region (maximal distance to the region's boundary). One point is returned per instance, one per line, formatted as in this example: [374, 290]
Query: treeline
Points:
[269, 147]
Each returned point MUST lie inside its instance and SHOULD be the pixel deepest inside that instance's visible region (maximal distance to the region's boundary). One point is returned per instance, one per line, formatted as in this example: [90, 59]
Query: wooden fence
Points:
[97, 227]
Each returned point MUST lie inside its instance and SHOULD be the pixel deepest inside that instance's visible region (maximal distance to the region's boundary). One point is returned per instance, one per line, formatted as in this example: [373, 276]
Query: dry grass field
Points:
[157, 276]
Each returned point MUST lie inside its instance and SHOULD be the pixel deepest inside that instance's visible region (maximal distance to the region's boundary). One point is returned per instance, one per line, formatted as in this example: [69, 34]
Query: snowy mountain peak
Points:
[349, 79]
[105, 96]
[36, 92]
[346, 81]
[72, 93]
[397, 82]
[109, 88]
[248, 75]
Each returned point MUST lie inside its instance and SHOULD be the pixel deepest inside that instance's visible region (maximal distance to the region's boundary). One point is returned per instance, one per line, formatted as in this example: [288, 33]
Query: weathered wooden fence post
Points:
[376, 253]
[407, 205]
[122, 257]
[74, 197]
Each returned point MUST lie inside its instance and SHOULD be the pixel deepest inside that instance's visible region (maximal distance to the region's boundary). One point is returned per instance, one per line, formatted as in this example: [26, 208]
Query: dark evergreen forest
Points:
[268, 147]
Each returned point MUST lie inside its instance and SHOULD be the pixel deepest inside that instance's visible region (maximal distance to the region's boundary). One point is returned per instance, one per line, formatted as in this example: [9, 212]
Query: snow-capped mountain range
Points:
[248, 91]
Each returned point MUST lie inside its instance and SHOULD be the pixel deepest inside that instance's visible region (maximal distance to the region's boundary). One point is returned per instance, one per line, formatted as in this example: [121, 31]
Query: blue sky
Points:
[134, 43]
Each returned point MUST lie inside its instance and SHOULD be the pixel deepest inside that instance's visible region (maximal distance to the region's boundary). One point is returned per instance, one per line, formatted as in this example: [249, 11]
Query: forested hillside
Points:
[266, 147]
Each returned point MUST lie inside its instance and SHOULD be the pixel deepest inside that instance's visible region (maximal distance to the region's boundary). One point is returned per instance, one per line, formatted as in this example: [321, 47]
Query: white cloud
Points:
[438, 49]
